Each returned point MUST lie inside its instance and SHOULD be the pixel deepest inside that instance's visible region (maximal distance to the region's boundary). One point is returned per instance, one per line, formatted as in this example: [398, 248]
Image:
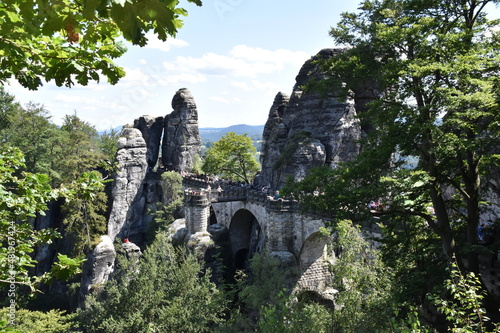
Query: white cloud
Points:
[241, 85]
[241, 61]
[279, 57]
[68, 98]
[165, 46]
[255, 85]
[219, 99]
[265, 85]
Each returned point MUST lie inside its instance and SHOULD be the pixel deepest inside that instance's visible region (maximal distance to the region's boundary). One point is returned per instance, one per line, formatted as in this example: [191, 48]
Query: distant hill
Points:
[213, 134]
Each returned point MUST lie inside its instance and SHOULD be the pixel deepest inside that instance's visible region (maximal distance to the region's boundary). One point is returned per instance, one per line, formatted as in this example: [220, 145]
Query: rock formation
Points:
[137, 186]
[127, 210]
[97, 268]
[308, 129]
[152, 131]
[181, 139]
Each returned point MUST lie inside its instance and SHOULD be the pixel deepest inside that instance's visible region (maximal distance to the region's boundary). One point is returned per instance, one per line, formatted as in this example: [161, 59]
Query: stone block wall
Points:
[197, 210]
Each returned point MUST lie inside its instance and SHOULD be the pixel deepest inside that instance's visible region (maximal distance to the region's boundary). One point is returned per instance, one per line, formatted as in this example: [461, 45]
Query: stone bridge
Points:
[256, 222]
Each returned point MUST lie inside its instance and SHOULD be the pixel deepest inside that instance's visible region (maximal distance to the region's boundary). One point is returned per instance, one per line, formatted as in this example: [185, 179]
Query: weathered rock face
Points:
[491, 193]
[97, 268]
[132, 251]
[152, 131]
[181, 139]
[127, 210]
[308, 129]
[137, 187]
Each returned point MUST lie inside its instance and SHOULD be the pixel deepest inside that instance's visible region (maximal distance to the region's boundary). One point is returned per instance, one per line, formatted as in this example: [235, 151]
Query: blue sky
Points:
[233, 55]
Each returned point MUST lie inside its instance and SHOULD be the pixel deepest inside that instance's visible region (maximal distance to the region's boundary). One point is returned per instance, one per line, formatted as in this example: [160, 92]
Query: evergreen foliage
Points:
[172, 293]
[53, 321]
[108, 144]
[85, 214]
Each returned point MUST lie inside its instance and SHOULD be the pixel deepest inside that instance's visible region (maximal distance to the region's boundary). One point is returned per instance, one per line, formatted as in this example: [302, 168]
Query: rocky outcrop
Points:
[137, 187]
[181, 140]
[97, 268]
[308, 129]
[152, 131]
[127, 211]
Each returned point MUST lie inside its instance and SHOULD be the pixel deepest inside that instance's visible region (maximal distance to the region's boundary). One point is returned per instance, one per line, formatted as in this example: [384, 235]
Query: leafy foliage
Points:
[290, 316]
[172, 205]
[75, 42]
[108, 144]
[364, 298]
[53, 321]
[413, 252]
[232, 157]
[465, 310]
[7, 107]
[80, 149]
[431, 71]
[171, 294]
[23, 195]
[85, 214]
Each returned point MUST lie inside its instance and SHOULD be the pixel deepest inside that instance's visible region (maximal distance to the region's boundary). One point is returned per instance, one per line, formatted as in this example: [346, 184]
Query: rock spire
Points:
[181, 139]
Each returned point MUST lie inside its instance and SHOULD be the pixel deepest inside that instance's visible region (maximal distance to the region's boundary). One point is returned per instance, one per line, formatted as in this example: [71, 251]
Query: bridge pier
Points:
[197, 211]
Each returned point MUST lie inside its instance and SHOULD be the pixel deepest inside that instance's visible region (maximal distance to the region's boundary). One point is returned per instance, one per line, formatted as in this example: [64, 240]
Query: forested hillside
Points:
[402, 230]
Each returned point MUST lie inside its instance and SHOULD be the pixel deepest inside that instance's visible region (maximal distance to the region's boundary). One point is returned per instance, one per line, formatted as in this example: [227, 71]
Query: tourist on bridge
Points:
[277, 195]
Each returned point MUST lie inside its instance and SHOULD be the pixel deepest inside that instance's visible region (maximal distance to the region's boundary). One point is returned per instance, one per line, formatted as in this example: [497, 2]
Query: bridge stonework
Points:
[282, 227]
[197, 211]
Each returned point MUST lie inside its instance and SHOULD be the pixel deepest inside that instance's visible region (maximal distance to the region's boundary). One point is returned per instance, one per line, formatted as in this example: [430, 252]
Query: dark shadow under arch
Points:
[245, 236]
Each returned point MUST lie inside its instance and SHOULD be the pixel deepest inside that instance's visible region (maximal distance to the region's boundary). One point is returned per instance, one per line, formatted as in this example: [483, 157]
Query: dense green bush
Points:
[172, 293]
[53, 321]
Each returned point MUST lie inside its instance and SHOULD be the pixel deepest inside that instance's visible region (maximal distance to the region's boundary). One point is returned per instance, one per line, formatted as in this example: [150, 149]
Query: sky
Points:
[233, 55]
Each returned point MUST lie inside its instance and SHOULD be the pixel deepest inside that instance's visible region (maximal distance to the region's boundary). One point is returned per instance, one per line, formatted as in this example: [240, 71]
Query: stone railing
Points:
[222, 191]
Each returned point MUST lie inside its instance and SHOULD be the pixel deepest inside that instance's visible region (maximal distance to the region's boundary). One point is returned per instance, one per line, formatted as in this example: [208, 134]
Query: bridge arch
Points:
[246, 237]
[314, 263]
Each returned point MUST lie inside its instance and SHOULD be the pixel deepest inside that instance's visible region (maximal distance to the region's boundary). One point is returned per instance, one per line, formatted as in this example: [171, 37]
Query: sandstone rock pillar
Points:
[128, 202]
[97, 269]
[181, 138]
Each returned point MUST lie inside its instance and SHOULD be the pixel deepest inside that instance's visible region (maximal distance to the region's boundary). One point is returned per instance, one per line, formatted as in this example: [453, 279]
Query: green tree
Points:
[465, 310]
[23, 195]
[233, 157]
[85, 214]
[172, 293]
[7, 108]
[30, 130]
[72, 41]
[364, 300]
[79, 147]
[171, 206]
[53, 321]
[108, 142]
[432, 67]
